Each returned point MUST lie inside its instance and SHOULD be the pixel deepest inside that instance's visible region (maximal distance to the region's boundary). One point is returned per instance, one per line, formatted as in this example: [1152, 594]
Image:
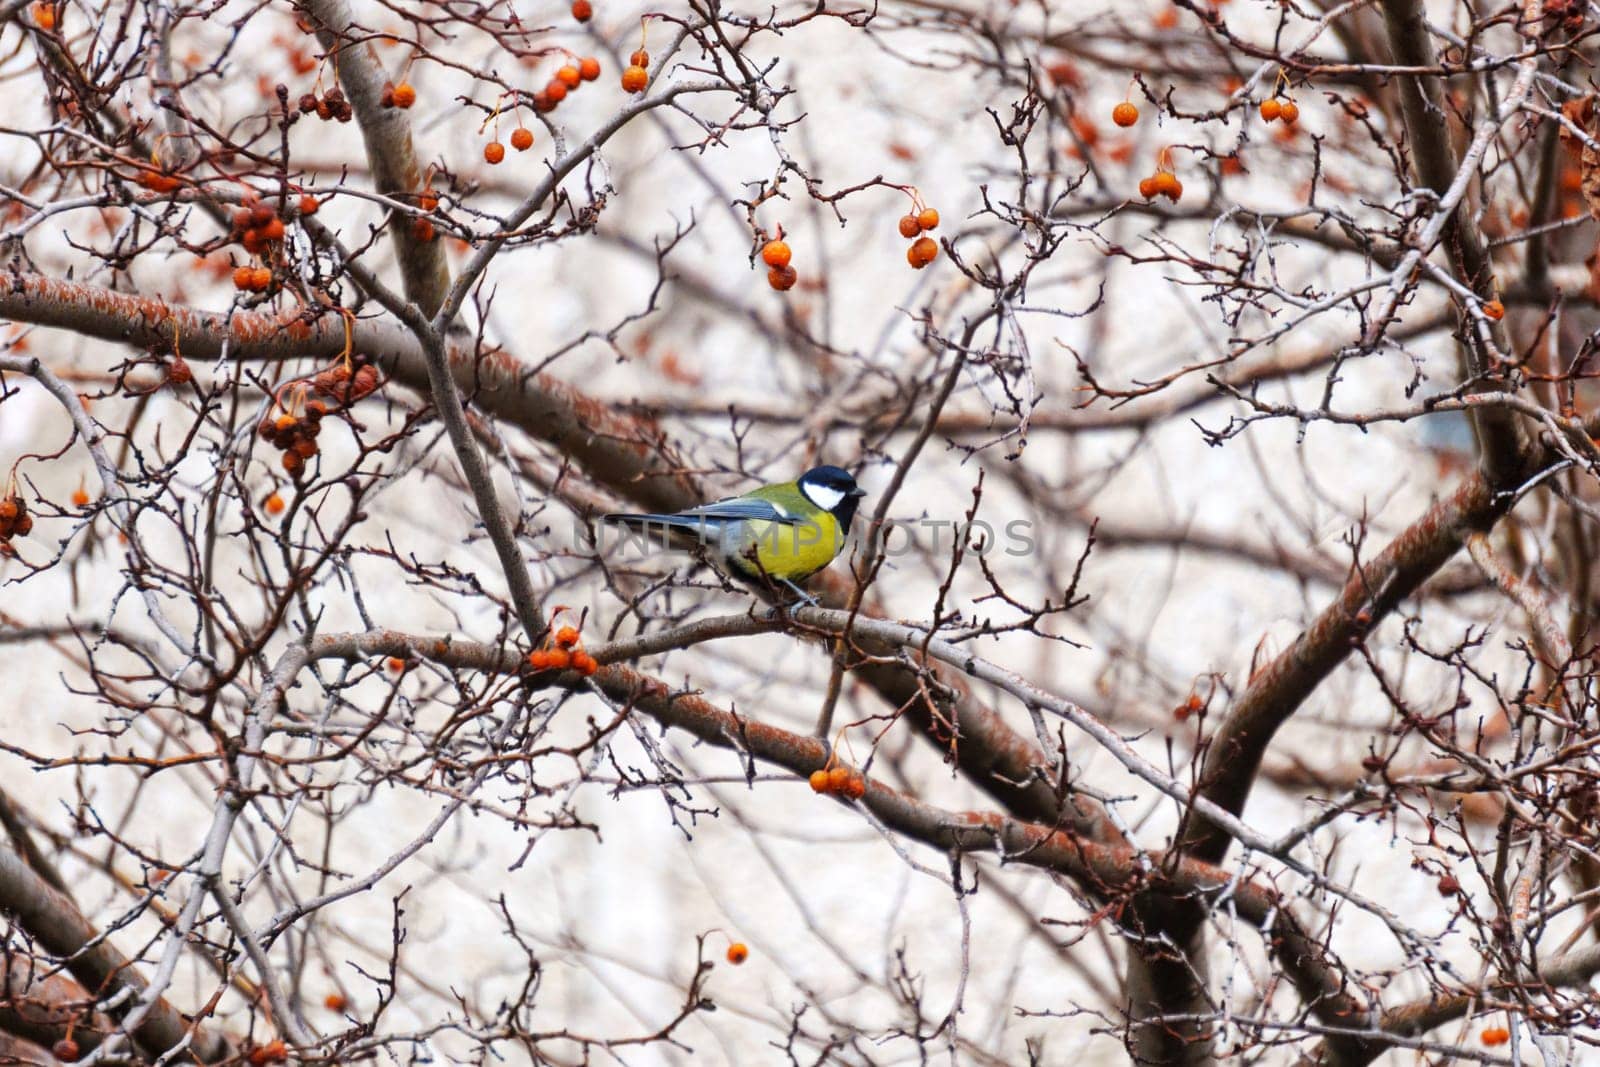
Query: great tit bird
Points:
[778, 533]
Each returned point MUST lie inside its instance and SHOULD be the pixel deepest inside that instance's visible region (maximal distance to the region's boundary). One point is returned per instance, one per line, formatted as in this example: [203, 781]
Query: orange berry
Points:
[857, 788]
[560, 659]
[909, 226]
[44, 16]
[584, 663]
[635, 80]
[539, 659]
[1289, 113]
[567, 636]
[819, 781]
[1495, 1035]
[404, 95]
[494, 152]
[1167, 184]
[66, 1050]
[775, 254]
[928, 219]
[1147, 188]
[582, 10]
[1125, 114]
[738, 953]
[274, 504]
[522, 138]
[839, 779]
[396, 665]
[335, 1002]
[1270, 109]
[273, 230]
[922, 252]
[80, 497]
[589, 68]
[1494, 311]
[639, 58]
[782, 278]
[308, 205]
[243, 277]
[422, 230]
[556, 91]
[569, 76]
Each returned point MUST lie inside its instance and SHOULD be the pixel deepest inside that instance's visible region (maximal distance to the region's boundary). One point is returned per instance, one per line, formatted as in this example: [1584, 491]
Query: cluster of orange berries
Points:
[1162, 183]
[422, 229]
[1495, 1035]
[1286, 111]
[924, 249]
[258, 226]
[348, 380]
[294, 436]
[330, 105]
[565, 655]
[252, 279]
[14, 518]
[840, 782]
[568, 78]
[775, 254]
[274, 1051]
[401, 96]
[636, 75]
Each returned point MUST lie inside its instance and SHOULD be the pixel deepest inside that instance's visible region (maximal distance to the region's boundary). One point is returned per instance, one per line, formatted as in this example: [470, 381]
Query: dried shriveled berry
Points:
[635, 79]
[1289, 113]
[909, 226]
[775, 253]
[1125, 114]
[1448, 886]
[639, 58]
[308, 103]
[922, 252]
[66, 1050]
[178, 372]
[522, 138]
[782, 278]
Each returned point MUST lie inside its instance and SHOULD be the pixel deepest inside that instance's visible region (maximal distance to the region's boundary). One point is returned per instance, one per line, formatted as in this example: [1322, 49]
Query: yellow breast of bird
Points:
[788, 550]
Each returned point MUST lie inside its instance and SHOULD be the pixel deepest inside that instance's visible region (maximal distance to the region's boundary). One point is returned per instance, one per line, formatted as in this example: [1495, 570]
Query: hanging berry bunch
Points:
[330, 106]
[1163, 182]
[1280, 106]
[636, 75]
[401, 96]
[568, 78]
[14, 518]
[921, 220]
[563, 648]
[294, 429]
[776, 255]
[835, 779]
[347, 381]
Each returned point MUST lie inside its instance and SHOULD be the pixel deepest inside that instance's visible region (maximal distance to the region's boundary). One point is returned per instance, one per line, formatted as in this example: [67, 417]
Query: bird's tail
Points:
[663, 522]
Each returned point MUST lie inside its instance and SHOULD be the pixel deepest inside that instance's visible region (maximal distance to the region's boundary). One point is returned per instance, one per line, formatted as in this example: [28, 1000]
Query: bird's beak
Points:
[858, 491]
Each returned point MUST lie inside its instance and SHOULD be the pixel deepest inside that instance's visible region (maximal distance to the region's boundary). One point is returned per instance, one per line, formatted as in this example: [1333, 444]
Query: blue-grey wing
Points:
[740, 509]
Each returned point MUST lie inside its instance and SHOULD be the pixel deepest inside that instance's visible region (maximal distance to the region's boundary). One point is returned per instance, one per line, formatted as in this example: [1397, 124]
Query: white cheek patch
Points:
[823, 497]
